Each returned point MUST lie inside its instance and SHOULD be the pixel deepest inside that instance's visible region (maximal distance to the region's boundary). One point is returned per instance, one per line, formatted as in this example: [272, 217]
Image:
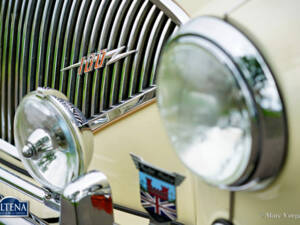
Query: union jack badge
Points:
[158, 191]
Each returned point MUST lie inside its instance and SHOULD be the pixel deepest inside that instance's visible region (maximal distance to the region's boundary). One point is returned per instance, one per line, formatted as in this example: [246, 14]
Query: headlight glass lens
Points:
[47, 142]
[205, 110]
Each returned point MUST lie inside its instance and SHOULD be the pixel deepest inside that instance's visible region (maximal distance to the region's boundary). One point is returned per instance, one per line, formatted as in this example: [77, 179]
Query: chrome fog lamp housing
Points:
[51, 139]
[221, 106]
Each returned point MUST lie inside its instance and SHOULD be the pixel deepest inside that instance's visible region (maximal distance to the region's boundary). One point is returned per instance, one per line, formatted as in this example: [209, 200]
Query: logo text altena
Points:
[11, 207]
[98, 60]
[5, 207]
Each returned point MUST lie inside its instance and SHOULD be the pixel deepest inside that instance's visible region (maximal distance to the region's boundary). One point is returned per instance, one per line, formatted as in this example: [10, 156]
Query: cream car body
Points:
[274, 27]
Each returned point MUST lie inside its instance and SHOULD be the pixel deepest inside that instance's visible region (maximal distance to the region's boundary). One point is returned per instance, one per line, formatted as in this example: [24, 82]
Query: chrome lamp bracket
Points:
[87, 201]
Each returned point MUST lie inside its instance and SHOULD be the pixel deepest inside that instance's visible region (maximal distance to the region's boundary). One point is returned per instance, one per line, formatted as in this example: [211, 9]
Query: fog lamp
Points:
[221, 106]
[51, 139]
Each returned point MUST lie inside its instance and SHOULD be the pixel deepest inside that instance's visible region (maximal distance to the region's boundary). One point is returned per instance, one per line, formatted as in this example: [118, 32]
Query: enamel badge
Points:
[158, 191]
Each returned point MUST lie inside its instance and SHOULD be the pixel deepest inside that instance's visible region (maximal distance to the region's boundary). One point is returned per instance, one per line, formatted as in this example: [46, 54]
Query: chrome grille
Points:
[38, 38]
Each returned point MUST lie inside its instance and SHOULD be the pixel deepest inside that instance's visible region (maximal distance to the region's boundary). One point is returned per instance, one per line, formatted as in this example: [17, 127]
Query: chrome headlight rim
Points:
[74, 128]
[227, 42]
[75, 125]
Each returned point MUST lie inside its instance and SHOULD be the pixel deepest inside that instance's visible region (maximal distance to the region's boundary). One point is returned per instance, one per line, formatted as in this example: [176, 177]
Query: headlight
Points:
[52, 147]
[221, 106]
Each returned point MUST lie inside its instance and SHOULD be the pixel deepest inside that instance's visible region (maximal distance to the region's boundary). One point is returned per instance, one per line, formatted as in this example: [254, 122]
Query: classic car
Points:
[149, 112]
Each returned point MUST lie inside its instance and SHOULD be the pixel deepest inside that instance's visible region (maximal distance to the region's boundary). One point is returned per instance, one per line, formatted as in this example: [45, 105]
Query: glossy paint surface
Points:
[274, 27]
[143, 134]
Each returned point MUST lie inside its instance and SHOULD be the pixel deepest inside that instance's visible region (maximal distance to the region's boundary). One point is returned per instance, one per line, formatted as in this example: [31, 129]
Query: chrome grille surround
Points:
[39, 38]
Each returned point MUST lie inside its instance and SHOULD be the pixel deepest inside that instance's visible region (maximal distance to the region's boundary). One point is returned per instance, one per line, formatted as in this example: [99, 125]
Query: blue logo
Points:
[12, 207]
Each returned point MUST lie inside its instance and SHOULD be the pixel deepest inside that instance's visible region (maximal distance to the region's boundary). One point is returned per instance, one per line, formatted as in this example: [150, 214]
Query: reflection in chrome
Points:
[52, 147]
[87, 201]
[29, 189]
[8, 149]
[257, 83]
[124, 108]
[39, 141]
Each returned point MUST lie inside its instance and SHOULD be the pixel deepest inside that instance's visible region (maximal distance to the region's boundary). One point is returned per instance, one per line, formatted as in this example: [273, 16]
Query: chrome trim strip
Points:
[30, 220]
[9, 149]
[172, 10]
[125, 107]
[138, 213]
[28, 188]
[9, 164]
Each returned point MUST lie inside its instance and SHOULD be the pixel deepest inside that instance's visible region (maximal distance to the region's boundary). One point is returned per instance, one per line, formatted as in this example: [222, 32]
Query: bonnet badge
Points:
[157, 191]
[99, 59]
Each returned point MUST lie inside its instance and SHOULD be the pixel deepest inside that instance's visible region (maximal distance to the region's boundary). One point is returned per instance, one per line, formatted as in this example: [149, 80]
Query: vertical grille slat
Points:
[134, 34]
[143, 39]
[85, 50]
[127, 26]
[59, 45]
[18, 69]
[50, 78]
[42, 45]
[150, 50]
[4, 79]
[11, 66]
[100, 17]
[167, 31]
[102, 44]
[2, 98]
[76, 93]
[66, 51]
[69, 59]
[42, 42]
[113, 44]
[25, 47]
[34, 42]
